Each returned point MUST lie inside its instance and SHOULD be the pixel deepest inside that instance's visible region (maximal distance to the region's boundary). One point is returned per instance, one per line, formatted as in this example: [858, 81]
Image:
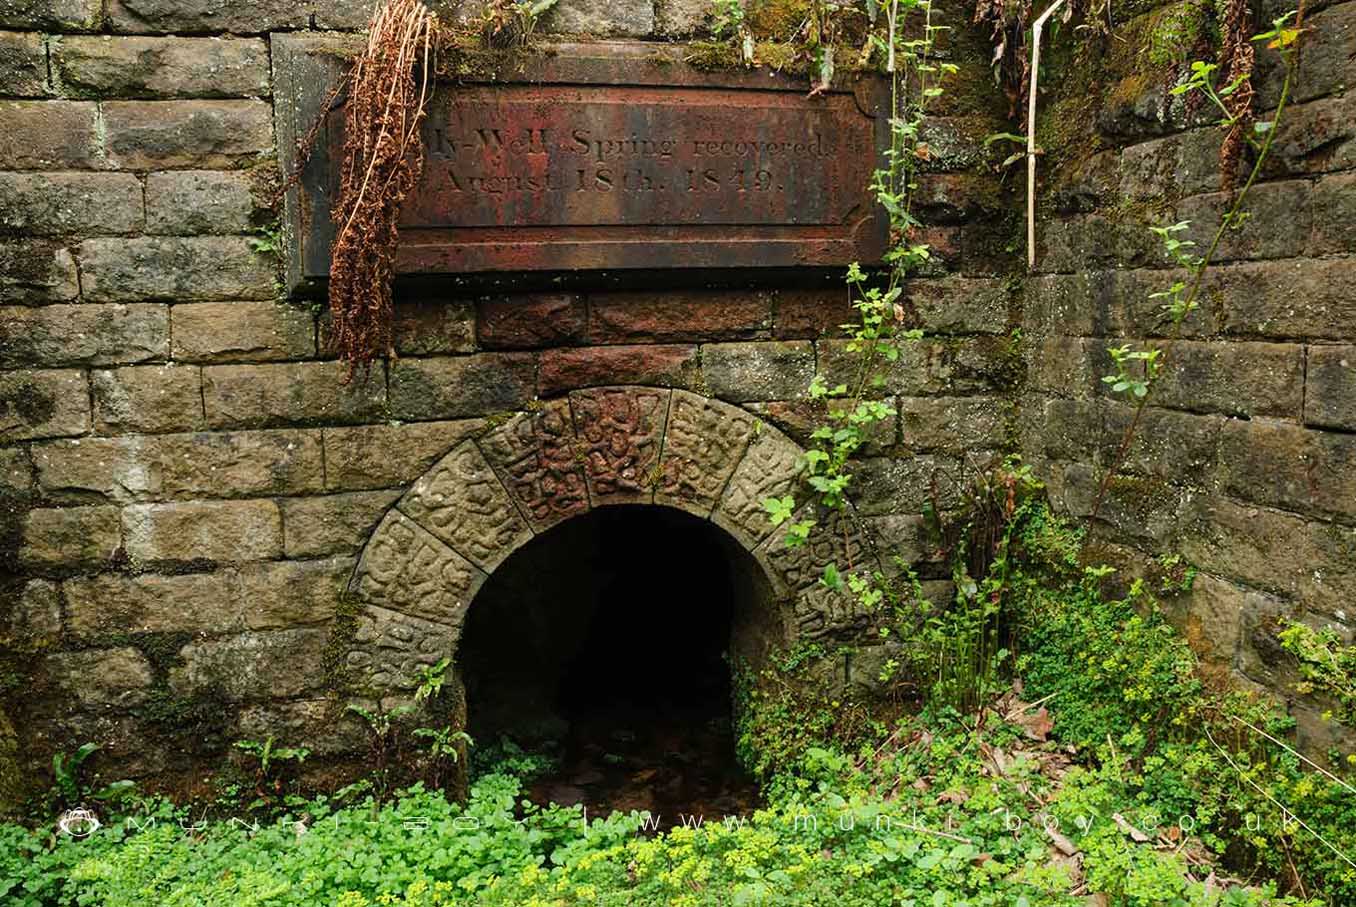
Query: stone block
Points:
[37, 616]
[23, 64]
[58, 204]
[800, 418]
[270, 664]
[37, 271]
[957, 305]
[179, 135]
[49, 135]
[82, 335]
[456, 387]
[1245, 379]
[771, 467]
[187, 202]
[148, 398]
[1313, 561]
[1277, 223]
[17, 475]
[333, 523]
[631, 18]
[392, 649]
[885, 485]
[951, 366]
[290, 594]
[1330, 387]
[101, 678]
[1110, 303]
[240, 17]
[1326, 66]
[43, 404]
[1316, 137]
[1286, 466]
[259, 396]
[100, 66]
[69, 537]
[954, 425]
[242, 464]
[772, 370]
[1333, 203]
[120, 469]
[672, 317]
[391, 454]
[1173, 445]
[242, 332]
[811, 314]
[681, 17]
[56, 15]
[114, 603]
[432, 327]
[1314, 299]
[1215, 616]
[664, 365]
[1095, 240]
[1178, 165]
[530, 322]
[318, 723]
[175, 269]
[196, 531]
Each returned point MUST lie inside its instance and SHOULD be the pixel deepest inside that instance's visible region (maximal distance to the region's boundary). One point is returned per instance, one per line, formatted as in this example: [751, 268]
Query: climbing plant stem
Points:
[1198, 280]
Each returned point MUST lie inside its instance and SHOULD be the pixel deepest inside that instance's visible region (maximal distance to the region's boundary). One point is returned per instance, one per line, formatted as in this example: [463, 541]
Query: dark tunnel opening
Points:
[607, 643]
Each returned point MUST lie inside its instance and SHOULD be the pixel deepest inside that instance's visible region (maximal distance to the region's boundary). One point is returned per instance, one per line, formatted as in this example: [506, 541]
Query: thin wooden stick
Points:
[1031, 135]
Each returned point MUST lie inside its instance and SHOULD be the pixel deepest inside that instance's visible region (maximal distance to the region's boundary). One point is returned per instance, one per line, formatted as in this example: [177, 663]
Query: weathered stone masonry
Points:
[1246, 463]
[188, 492]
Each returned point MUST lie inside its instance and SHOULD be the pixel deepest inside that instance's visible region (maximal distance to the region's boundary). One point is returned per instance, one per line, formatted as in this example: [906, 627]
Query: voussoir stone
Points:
[703, 443]
[621, 431]
[537, 455]
[770, 468]
[390, 649]
[462, 502]
[404, 569]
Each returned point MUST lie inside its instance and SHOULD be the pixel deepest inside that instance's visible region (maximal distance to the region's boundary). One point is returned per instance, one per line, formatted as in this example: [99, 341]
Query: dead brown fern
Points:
[383, 155]
[1237, 56]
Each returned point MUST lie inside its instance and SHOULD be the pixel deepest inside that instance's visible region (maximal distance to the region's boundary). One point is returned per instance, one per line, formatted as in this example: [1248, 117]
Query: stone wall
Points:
[186, 484]
[1245, 465]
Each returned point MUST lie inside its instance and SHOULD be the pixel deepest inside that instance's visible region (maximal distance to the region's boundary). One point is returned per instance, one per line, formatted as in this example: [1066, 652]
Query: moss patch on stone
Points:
[11, 776]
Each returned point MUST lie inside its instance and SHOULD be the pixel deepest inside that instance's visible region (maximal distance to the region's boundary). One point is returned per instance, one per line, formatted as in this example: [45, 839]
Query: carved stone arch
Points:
[425, 561]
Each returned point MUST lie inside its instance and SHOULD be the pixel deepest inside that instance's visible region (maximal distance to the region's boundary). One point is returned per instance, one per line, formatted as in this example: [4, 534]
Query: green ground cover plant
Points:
[1107, 767]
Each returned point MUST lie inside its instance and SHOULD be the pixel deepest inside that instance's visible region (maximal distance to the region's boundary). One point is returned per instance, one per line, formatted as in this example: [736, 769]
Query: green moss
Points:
[777, 20]
[1176, 31]
[339, 680]
[12, 784]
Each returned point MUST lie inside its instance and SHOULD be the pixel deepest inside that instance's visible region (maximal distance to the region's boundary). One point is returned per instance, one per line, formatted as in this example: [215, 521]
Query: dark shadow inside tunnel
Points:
[608, 642]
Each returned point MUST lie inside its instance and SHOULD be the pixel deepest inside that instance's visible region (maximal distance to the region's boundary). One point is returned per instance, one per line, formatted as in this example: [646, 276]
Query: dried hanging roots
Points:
[383, 155]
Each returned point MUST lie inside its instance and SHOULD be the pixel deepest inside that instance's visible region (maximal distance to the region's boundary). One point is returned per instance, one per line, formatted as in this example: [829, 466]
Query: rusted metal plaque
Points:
[610, 156]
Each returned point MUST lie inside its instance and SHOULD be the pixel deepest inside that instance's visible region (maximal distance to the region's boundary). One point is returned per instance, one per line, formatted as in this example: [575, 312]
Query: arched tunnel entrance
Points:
[608, 642]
